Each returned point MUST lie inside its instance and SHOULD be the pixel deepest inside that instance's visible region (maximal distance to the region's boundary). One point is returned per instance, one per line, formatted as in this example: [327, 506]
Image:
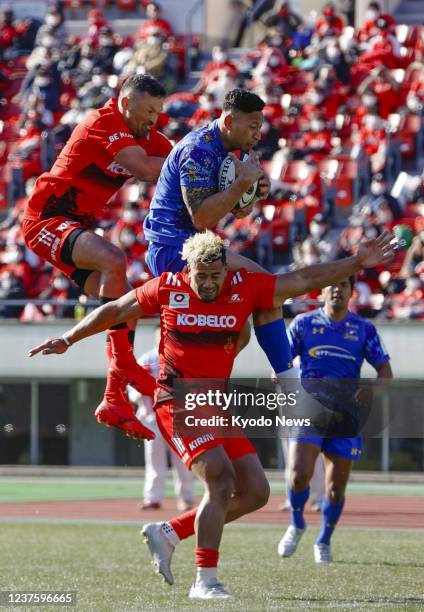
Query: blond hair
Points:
[204, 247]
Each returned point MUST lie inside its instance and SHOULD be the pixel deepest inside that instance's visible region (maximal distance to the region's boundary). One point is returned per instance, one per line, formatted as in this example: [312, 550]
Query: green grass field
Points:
[110, 569]
[14, 490]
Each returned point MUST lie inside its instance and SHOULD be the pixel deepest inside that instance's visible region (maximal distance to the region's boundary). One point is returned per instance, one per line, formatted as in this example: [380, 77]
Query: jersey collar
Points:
[331, 321]
[217, 134]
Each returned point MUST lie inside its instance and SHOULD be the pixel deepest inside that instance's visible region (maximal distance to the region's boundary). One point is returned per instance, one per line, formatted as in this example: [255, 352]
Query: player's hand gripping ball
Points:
[227, 176]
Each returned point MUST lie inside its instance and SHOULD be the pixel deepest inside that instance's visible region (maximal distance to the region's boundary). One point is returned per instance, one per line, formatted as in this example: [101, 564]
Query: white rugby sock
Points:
[206, 574]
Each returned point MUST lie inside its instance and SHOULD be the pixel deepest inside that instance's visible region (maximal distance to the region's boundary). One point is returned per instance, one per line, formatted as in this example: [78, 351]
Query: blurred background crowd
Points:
[343, 137]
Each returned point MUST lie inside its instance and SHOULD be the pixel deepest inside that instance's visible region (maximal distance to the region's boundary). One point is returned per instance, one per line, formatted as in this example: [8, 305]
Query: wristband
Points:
[66, 341]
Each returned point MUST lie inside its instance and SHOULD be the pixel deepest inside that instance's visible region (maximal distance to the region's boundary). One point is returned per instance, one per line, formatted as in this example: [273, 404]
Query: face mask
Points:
[98, 80]
[317, 126]
[265, 127]
[316, 99]
[265, 79]
[104, 41]
[333, 53]
[42, 81]
[371, 15]
[6, 283]
[316, 230]
[274, 61]
[52, 20]
[413, 103]
[130, 216]
[219, 57]
[372, 122]
[412, 284]
[377, 188]
[127, 239]
[48, 42]
[154, 40]
[371, 232]
[60, 283]
[310, 259]
[276, 41]
[384, 215]
[369, 101]
[13, 257]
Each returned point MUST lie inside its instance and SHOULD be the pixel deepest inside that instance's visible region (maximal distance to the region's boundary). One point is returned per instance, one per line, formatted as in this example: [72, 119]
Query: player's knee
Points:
[299, 481]
[336, 494]
[220, 481]
[259, 496]
[116, 261]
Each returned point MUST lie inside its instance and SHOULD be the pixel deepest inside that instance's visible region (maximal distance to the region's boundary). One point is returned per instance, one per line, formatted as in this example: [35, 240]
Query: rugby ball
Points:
[227, 176]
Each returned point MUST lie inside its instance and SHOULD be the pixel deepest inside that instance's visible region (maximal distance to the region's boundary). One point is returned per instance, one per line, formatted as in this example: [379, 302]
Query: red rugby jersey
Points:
[199, 339]
[85, 175]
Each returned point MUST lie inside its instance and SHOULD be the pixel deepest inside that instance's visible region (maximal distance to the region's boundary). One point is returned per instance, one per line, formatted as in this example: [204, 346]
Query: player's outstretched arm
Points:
[139, 164]
[102, 318]
[371, 253]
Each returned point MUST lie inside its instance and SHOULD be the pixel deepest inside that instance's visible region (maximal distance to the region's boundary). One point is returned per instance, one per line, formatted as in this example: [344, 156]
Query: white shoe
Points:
[208, 590]
[290, 541]
[322, 553]
[161, 550]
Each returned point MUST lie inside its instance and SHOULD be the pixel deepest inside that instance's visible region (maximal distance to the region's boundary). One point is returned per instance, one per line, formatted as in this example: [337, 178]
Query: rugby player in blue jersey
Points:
[187, 200]
[332, 343]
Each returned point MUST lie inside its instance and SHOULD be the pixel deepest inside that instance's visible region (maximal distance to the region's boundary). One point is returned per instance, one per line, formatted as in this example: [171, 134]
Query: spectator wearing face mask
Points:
[317, 101]
[45, 83]
[220, 65]
[324, 237]
[97, 91]
[13, 260]
[11, 288]
[206, 112]
[370, 27]
[409, 303]
[386, 90]
[154, 22]
[316, 140]
[415, 253]
[97, 21]
[8, 31]
[107, 49]
[329, 24]
[372, 137]
[272, 60]
[152, 57]
[54, 26]
[380, 195]
[383, 49]
[61, 289]
[333, 56]
[286, 20]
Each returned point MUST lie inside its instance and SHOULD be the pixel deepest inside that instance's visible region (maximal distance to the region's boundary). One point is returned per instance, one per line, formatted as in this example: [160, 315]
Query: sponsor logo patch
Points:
[179, 300]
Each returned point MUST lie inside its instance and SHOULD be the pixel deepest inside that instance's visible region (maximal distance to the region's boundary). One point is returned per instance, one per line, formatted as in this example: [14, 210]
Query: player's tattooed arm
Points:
[194, 197]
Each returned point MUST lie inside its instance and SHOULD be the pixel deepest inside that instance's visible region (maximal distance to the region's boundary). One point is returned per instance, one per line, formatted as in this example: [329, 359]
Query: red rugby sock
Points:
[206, 557]
[183, 525]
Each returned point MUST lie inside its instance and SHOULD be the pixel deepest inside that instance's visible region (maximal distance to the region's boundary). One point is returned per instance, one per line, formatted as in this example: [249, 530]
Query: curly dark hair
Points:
[143, 83]
[243, 100]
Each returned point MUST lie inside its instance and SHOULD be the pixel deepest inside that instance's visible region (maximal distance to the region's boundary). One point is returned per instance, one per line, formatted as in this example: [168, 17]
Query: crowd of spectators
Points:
[342, 139]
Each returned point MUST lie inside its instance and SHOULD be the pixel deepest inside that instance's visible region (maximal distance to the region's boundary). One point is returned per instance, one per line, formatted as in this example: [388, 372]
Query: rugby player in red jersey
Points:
[203, 312]
[112, 144]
